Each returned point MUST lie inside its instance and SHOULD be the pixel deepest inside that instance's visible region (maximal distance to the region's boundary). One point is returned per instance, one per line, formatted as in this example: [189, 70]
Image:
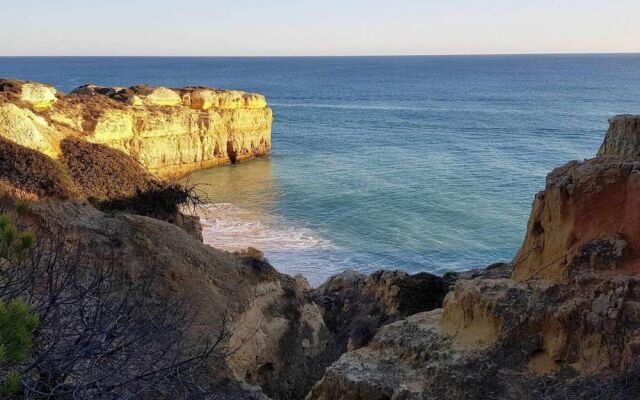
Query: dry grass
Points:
[104, 173]
[34, 172]
[113, 180]
[108, 178]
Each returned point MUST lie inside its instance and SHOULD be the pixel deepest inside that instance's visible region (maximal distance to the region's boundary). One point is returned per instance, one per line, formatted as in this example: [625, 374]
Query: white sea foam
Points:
[229, 227]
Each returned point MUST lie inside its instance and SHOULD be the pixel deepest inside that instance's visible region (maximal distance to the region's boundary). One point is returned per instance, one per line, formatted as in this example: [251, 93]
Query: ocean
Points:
[411, 163]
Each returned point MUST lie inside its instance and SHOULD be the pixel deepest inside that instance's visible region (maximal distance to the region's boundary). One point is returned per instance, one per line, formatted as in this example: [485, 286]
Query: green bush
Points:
[22, 207]
[12, 242]
[10, 385]
[17, 325]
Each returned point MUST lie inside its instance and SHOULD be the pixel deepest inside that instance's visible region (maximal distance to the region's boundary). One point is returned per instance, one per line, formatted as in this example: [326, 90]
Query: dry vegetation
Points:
[103, 173]
[34, 172]
[108, 178]
[99, 332]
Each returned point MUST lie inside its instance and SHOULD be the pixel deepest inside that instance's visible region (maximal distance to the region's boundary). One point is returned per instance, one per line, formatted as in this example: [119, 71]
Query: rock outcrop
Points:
[170, 131]
[564, 324]
[623, 137]
[268, 317]
[355, 306]
[588, 208]
[37, 95]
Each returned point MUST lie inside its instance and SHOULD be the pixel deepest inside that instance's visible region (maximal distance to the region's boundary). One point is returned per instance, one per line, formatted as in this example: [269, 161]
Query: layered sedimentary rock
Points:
[593, 204]
[561, 321]
[169, 131]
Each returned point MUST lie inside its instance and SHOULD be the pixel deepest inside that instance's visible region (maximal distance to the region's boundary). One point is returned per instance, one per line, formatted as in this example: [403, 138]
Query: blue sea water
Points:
[414, 163]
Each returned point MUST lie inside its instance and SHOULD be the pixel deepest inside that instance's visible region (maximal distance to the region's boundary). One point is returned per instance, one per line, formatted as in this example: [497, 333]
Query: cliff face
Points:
[589, 204]
[561, 321]
[272, 329]
[170, 131]
[623, 138]
[355, 306]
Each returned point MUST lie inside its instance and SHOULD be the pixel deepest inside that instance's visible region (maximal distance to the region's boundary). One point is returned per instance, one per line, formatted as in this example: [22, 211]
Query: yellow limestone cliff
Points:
[170, 131]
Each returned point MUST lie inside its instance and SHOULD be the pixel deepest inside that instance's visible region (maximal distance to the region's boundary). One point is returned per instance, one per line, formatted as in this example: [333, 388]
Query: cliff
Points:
[169, 131]
[588, 204]
[272, 329]
[561, 321]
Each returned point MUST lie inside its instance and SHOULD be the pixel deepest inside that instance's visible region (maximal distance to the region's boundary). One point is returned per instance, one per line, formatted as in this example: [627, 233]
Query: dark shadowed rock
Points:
[354, 305]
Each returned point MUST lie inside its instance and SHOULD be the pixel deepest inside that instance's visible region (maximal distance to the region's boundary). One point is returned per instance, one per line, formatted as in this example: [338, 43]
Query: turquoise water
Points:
[416, 163]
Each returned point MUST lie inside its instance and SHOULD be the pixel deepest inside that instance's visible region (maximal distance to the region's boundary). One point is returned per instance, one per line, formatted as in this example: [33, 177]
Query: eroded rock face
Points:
[583, 202]
[268, 317]
[623, 137]
[170, 131]
[29, 129]
[563, 324]
[355, 305]
[499, 339]
[587, 216]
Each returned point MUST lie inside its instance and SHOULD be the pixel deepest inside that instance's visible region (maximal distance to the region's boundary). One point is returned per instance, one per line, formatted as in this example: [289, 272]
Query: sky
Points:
[319, 27]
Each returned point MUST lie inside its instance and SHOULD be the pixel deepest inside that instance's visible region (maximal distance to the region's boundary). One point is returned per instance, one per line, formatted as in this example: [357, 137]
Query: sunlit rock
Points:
[37, 95]
[170, 131]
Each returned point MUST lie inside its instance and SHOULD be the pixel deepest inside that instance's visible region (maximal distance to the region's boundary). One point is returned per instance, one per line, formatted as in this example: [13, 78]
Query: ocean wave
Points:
[229, 227]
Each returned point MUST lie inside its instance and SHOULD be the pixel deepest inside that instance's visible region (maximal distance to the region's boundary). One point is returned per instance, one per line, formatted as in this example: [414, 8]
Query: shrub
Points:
[17, 325]
[12, 242]
[10, 385]
[113, 180]
[109, 178]
[70, 329]
[34, 172]
[104, 173]
[22, 207]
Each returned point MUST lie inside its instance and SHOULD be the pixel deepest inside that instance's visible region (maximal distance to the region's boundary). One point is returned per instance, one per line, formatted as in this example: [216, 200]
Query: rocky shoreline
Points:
[562, 320]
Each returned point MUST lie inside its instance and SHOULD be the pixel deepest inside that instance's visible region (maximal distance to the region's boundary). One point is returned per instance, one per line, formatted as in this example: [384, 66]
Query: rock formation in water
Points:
[170, 131]
[561, 321]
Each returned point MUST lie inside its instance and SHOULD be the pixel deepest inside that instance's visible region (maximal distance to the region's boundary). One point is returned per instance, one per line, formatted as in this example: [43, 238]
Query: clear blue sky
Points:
[320, 27]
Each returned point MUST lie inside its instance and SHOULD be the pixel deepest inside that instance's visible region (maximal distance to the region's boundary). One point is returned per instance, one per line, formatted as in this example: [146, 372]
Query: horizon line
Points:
[326, 55]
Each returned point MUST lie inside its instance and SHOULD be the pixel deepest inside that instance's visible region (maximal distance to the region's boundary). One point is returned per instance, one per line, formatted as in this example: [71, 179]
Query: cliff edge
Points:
[169, 131]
